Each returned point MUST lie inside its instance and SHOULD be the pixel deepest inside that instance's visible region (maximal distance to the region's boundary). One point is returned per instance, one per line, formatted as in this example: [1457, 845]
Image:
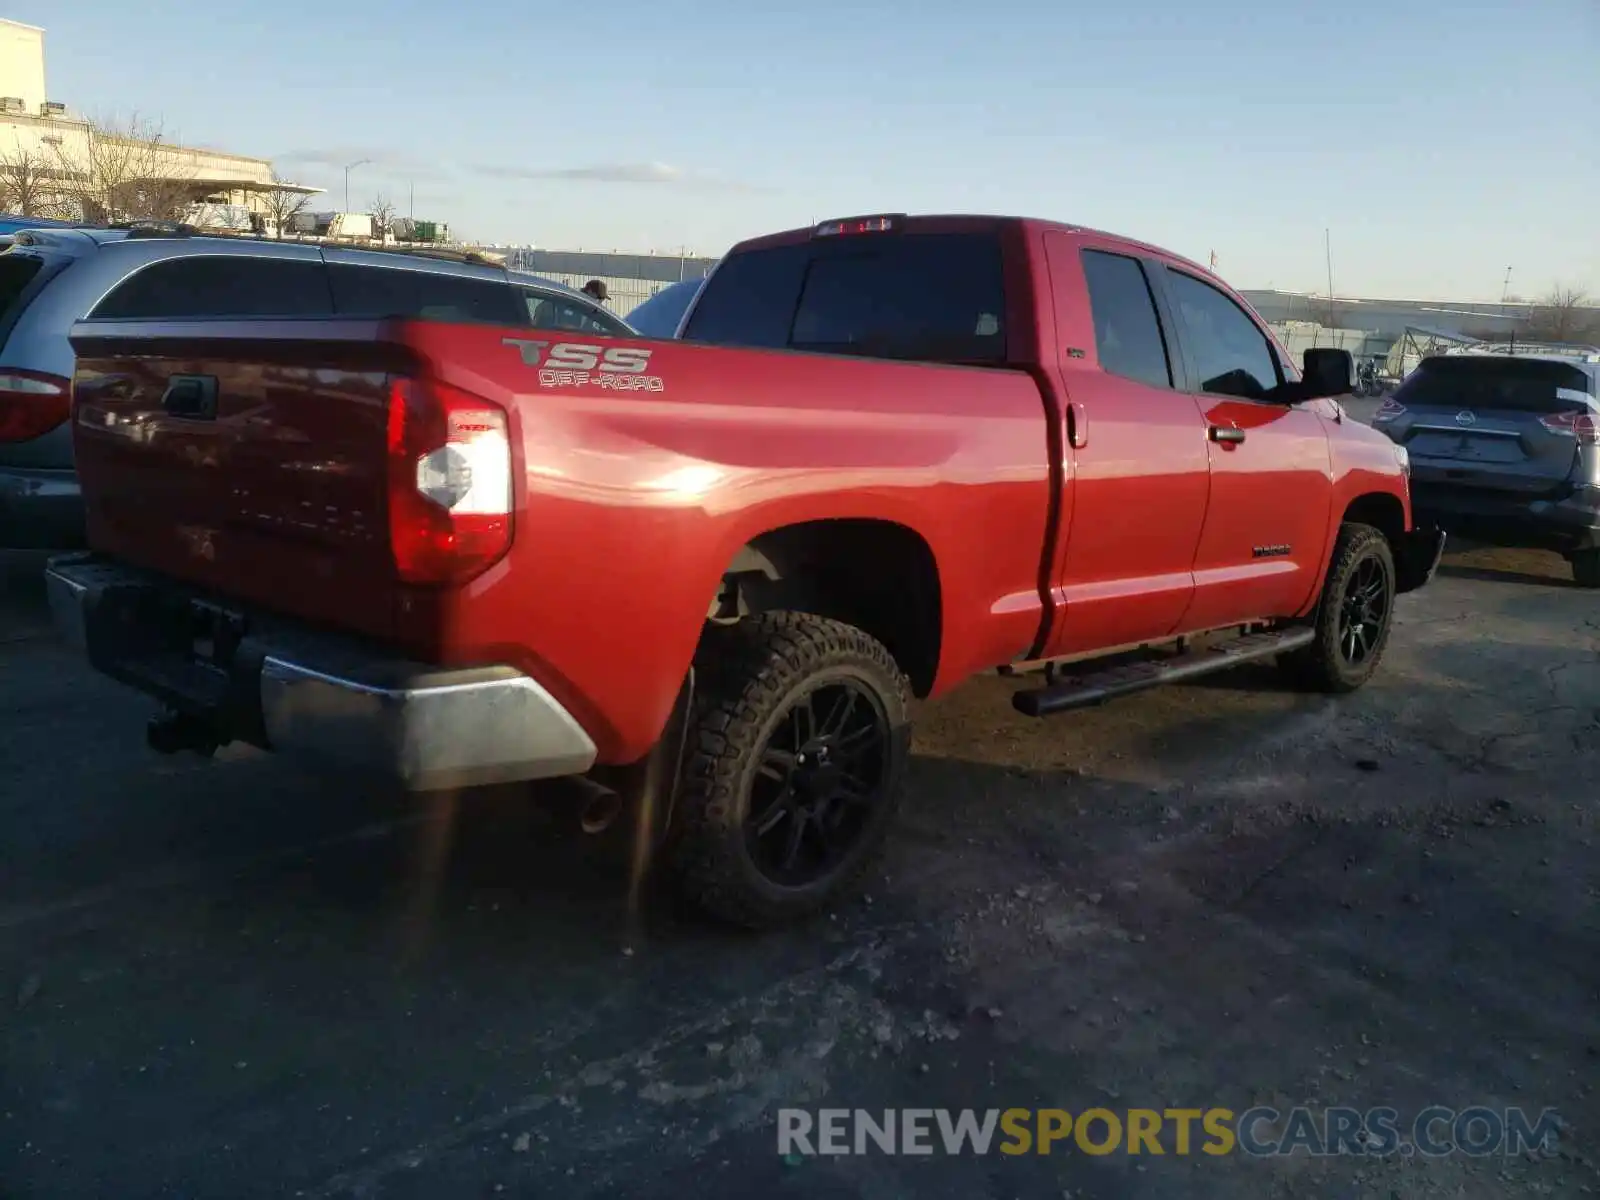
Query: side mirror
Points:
[1328, 372]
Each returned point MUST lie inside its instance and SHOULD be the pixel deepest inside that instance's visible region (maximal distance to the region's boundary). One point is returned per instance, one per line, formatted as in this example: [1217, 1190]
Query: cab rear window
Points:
[927, 297]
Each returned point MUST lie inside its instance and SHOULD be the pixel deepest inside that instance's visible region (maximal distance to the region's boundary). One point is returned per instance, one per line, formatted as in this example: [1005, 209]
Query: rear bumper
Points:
[1569, 523]
[41, 512]
[1416, 558]
[330, 700]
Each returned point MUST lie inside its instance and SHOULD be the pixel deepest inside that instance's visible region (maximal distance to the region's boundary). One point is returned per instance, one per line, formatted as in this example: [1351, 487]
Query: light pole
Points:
[360, 162]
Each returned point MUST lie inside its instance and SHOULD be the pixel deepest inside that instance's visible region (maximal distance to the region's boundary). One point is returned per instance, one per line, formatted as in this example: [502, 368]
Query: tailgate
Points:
[247, 458]
[1503, 424]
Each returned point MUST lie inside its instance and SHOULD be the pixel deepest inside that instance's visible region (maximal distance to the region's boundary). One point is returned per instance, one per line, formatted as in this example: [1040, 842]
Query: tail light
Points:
[1388, 411]
[450, 490]
[32, 403]
[1580, 425]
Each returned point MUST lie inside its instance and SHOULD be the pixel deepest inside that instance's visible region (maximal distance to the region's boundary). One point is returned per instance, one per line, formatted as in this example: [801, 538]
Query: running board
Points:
[1096, 687]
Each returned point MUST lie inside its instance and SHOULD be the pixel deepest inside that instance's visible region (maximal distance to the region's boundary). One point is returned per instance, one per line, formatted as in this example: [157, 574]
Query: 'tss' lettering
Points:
[573, 356]
[624, 360]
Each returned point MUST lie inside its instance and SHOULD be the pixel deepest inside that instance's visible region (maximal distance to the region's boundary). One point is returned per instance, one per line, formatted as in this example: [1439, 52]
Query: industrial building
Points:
[45, 142]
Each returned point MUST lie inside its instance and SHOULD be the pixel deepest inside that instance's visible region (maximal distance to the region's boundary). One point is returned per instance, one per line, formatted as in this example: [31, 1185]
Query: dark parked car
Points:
[660, 316]
[50, 278]
[1505, 448]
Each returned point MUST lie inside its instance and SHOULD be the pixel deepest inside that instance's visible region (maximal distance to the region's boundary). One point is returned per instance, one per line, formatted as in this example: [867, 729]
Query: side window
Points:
[546, 311]
[1229, 353]
[1127, 331]
[221, 285]
[371, 291]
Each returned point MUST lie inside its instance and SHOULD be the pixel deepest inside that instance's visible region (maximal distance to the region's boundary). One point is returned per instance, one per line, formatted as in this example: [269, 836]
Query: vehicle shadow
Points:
[1504, 575]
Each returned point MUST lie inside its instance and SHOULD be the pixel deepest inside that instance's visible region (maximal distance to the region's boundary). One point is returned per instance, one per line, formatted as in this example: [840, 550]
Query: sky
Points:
[1431, 147]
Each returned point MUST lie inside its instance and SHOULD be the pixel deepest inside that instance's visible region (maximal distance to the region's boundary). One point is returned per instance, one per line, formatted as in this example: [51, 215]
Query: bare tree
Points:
[1565, 315]
[30, 186]
[382, 214]
[128, 170]
[282, 204]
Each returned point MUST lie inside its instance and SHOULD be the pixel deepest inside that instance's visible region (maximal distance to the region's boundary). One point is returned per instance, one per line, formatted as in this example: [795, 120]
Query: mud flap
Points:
[649, 789]
[1416, 558]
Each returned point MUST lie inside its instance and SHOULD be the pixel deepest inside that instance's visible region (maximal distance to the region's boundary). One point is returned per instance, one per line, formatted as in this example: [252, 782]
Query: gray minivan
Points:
[50, 279]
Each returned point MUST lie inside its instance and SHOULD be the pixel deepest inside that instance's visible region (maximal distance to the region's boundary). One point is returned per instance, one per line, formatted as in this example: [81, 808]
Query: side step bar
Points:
[1096, 687]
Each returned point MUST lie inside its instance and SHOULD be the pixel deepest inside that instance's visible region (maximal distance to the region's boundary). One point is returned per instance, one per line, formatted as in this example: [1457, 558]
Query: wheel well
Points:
[1383, 512]
[876, 575]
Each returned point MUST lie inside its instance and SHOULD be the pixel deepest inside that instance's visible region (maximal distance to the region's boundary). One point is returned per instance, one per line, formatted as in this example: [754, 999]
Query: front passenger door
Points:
[1267, 522]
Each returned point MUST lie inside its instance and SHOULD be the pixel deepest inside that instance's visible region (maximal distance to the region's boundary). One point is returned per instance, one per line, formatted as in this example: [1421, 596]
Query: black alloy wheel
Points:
[817, 782]
[1353, 619]
[791, 780]
[1364, 610]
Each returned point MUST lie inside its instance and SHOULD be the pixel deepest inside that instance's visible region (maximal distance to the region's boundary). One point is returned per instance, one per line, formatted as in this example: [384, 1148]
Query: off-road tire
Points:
[1321, 666]
[747, 675]
[1586, 568]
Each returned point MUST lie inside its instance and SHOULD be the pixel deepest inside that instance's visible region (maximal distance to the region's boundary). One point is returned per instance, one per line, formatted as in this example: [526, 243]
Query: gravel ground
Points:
[228, 979]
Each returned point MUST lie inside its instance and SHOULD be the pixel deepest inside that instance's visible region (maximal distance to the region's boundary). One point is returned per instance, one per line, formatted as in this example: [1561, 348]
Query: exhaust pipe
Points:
[173, 732]
[600, 811]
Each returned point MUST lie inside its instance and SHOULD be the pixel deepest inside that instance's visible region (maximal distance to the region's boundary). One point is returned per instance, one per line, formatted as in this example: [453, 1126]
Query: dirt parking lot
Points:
[227, 979]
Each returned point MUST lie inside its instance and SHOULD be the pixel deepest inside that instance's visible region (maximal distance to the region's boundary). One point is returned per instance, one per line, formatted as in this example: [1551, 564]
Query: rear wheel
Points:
[1354, 616]
[1586, 568]
[799, 739]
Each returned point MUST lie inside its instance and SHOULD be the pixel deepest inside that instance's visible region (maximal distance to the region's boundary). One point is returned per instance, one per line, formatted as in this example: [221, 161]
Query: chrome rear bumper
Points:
[325, 698]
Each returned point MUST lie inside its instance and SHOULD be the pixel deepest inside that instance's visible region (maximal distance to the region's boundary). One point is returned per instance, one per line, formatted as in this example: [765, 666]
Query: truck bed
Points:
[639, 470]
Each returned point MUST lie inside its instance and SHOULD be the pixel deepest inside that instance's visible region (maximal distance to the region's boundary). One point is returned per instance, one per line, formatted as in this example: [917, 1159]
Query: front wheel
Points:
[1354, 615]
[799, 739]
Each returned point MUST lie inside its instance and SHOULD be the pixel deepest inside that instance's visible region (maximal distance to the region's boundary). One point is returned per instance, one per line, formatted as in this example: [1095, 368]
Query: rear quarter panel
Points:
[634, 503]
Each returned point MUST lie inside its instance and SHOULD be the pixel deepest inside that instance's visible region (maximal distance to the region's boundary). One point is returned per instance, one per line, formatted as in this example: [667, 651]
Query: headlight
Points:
[1403, 457]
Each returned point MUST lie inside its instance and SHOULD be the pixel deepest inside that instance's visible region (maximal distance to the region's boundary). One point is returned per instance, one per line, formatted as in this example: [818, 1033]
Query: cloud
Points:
[649, 173]
[377, 158]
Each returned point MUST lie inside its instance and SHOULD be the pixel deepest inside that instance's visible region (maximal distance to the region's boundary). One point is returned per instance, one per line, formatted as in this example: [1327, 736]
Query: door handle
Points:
[1228, 435]
[1077, 426]
[191, 396]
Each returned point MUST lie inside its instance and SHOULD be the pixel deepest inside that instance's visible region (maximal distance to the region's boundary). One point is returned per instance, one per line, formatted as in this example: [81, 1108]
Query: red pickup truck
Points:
[883, 454]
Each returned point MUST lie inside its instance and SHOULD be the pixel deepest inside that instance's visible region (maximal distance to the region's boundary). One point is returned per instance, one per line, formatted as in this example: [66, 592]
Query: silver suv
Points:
[1505, 447]
[50, 279]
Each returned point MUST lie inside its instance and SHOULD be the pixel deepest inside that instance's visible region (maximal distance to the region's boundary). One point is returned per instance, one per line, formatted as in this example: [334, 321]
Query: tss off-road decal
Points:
[579, 364]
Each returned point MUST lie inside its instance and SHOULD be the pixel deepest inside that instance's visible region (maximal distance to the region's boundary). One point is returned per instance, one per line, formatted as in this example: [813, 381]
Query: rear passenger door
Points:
[1136, 474]
[1267, 522]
